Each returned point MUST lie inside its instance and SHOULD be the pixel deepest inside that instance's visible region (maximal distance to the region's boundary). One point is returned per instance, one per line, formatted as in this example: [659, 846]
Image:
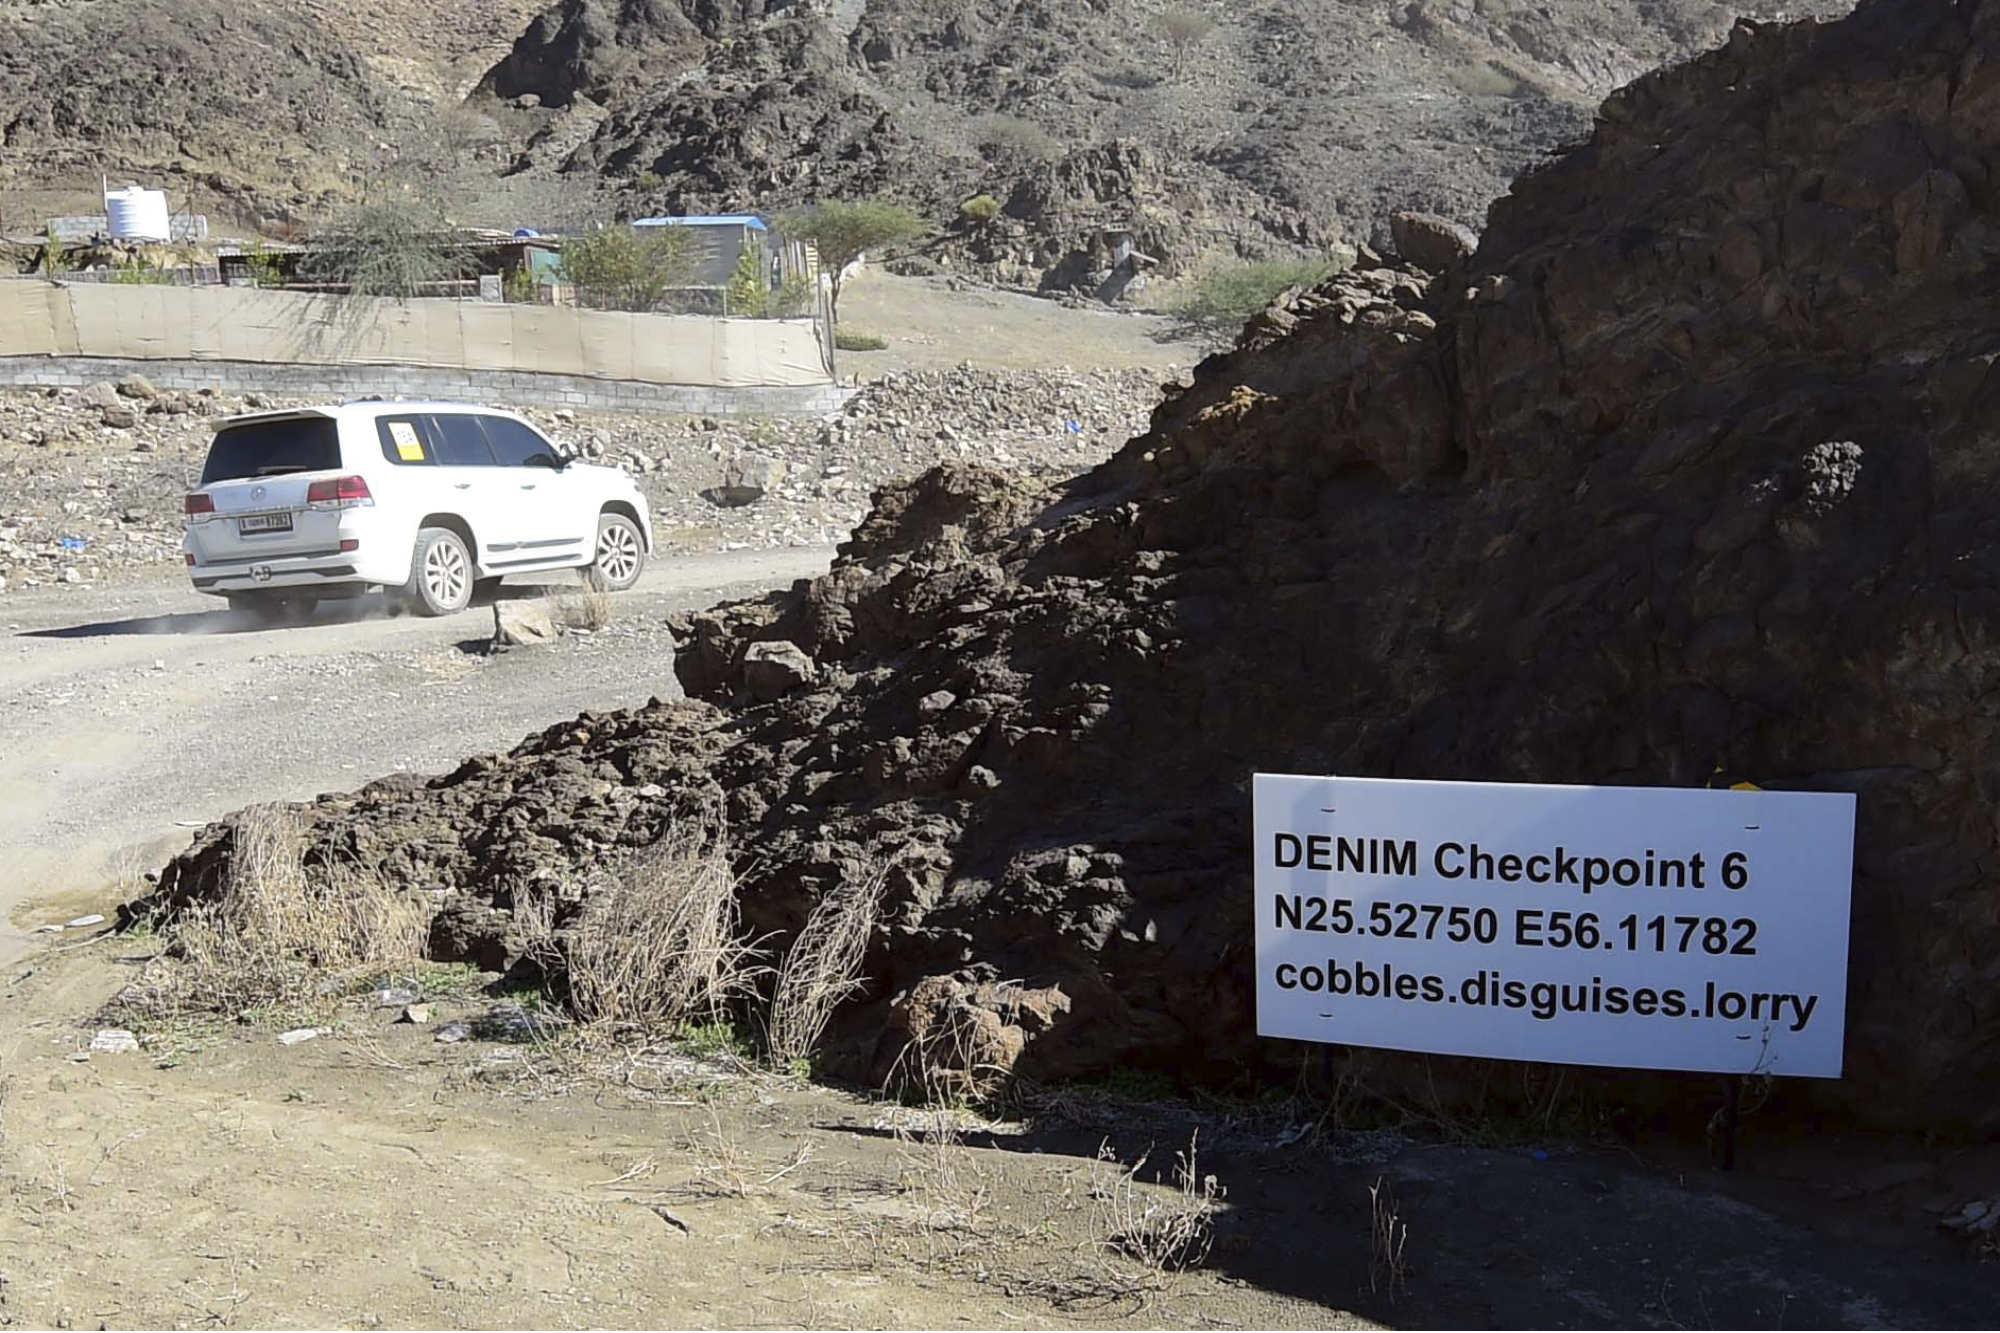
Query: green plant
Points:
[1482, 79]
[628, 268]
[263, 265]
[843, 233]
[649, 180]
[716, 1039]
[519, 286]
[793, 299]
[1221, 300]
[1010, 134]
[392, 250]
[980, 210]
[1185, 28]
[848, 341]
[57, 258]
[142, 273]
[748, 295]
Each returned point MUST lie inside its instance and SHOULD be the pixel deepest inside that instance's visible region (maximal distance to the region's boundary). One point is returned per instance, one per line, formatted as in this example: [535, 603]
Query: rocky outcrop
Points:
[1683, 475]
[590, 48]
[1430, 242]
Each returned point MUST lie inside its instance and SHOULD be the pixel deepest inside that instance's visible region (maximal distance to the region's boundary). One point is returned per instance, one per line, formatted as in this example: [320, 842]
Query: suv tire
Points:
[440, 574]
[619, 556]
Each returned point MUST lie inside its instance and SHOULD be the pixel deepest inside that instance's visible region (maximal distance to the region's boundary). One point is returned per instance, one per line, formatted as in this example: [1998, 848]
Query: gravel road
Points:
[128, 716]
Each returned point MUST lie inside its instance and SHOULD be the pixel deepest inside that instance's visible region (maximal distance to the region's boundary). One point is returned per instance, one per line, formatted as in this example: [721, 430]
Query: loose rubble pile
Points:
[1686, 472]
[91, 480]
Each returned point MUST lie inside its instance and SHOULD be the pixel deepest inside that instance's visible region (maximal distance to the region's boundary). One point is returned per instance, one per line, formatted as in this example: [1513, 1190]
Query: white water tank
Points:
[136, 214]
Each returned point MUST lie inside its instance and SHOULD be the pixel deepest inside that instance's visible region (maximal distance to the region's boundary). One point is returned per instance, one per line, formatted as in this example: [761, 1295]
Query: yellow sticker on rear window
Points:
[408, 447]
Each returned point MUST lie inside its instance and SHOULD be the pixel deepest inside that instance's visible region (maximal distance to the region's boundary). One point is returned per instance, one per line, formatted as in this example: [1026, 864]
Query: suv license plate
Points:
[265, 523]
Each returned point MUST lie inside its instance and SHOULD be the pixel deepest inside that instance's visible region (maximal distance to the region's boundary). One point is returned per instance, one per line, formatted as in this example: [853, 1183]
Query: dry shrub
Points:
[822, 969]
[723, 1168]
[277, 927]
[953, 1189]
[584, 608]
[662, 945]
[1387, 1232]
[1168, 1234]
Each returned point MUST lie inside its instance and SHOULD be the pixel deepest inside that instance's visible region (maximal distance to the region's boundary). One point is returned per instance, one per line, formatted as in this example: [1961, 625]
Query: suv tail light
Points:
[339, 493]
[198, 503]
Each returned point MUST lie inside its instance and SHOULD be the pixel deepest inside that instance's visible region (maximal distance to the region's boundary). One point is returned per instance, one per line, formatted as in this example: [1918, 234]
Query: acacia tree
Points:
[628, 268]
[842, 233]
[1185, 28]
[385, 249]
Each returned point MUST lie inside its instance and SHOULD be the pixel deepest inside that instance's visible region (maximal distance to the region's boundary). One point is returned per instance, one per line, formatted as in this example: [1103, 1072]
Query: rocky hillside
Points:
[1687, 471]
[1285, 125]
[245, 108]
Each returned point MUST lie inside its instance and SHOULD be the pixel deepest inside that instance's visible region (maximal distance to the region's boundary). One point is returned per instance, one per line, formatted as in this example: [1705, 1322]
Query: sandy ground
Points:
[927, 325]
[130, 715]
[374, 1177]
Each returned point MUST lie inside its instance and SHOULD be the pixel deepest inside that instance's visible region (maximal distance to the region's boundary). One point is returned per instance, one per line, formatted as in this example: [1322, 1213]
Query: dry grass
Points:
[1387, 1233]
[661, 945]
[822, 969]
[723, 1168]
[1168, 1233]
[954, 1191]
[279, 933]
[582, 608]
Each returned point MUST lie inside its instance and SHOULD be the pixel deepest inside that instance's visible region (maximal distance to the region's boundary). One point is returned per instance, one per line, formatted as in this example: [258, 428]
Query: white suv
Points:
[422, 499]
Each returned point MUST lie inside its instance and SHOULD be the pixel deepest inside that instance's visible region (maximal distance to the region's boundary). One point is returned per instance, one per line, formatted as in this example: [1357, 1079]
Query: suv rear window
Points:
[269, 448]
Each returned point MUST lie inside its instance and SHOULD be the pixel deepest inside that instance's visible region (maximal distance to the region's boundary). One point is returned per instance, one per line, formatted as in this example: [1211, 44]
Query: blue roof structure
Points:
[750, 220]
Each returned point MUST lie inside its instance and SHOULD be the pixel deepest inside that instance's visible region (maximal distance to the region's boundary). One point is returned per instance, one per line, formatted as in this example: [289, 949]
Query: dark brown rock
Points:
[1685, 473]
[1434, 243]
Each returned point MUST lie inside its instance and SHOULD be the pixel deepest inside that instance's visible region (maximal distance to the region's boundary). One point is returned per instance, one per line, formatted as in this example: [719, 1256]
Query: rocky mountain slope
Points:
[1289, 125]
[1686, 472]
[246, 108]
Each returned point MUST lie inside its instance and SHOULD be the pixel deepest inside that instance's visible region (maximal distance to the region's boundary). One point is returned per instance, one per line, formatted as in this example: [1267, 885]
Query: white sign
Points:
[1648, 928]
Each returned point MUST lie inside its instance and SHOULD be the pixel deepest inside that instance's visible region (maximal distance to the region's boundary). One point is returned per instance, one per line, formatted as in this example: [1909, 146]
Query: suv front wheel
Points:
[620, 554]
[440, 573]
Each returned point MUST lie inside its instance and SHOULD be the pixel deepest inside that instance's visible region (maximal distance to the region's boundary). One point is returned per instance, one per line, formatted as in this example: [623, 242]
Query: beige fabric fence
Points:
[246, 324]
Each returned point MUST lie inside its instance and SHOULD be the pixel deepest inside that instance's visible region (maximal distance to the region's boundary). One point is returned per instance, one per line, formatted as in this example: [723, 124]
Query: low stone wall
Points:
[337, 383]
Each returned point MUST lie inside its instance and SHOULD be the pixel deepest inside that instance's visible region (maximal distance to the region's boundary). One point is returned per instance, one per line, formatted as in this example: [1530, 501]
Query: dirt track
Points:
[130, 715]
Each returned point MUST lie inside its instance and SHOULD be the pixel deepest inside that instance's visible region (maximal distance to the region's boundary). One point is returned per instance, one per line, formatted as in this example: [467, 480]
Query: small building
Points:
[720, 241]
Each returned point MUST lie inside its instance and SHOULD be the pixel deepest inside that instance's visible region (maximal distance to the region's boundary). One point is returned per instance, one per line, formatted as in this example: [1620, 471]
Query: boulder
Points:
[120, 418]
[1431, 242]
[521, 624]
[772, 670]
[747, 478]
[137, 386]
[101, 394]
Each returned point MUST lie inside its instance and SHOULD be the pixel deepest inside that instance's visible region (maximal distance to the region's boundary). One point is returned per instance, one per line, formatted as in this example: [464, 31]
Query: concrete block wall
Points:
[500, 388]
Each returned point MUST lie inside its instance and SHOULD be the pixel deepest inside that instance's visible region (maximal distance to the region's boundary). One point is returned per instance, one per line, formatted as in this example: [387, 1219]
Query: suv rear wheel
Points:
[440, 573]
[620, 555]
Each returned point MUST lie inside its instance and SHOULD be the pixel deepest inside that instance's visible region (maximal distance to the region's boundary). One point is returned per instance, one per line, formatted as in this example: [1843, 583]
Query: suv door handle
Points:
[527, 485]
[461, 485]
